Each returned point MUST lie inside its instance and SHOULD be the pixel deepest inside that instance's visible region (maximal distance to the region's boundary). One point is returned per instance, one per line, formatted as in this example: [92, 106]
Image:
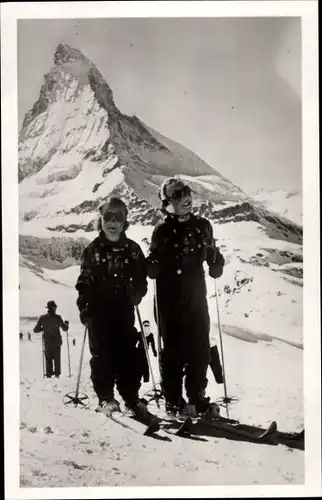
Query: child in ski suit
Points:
[112, 282]
[50, 324]
[179, 246]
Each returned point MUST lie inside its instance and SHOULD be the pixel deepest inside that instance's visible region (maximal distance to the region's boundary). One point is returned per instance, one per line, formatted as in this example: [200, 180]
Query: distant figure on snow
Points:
[50, 325]
[142, 359]
[20, 336]
[74, 342]
[29, 336]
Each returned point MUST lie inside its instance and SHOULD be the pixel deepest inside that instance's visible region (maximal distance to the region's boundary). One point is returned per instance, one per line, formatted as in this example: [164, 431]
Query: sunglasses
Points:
[110, 216]
[181, 193]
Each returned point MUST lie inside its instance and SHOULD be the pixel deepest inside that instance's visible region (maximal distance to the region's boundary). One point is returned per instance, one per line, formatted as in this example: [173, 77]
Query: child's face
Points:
[112, 223]
[182, 202]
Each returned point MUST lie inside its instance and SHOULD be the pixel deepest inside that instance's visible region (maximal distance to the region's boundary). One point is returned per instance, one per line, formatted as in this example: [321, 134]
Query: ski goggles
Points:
[180, 193]
[114, 216]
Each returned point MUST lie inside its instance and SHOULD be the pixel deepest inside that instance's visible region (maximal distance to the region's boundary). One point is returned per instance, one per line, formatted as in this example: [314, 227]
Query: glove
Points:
[67, 324]
[135, 297]
[217, 268]
[84, 316]
[153, 269]
[81, 302]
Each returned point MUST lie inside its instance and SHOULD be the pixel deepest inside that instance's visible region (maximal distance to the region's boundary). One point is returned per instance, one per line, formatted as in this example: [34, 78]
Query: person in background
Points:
[74, 342]
[179, 247]
[50, 324]
[142, 359]
[112, 282]
[20, 336]
[29, 336]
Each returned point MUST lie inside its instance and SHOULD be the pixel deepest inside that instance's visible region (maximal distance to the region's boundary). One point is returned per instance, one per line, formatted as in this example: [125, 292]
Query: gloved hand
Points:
[67, 324]
[153, 268]
[155, 354]
[217, 268]
[135, 297]
[84, 316]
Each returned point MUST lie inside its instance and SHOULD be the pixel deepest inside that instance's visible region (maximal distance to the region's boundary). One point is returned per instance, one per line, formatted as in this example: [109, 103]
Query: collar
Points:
[174, 219]
[121, 241]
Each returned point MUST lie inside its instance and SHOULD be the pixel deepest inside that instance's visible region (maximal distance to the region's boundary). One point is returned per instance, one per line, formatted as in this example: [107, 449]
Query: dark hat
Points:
[51, 303]
[146, 322]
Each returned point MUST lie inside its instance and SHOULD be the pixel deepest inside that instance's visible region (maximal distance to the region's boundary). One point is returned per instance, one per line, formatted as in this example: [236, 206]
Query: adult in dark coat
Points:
[50, 325]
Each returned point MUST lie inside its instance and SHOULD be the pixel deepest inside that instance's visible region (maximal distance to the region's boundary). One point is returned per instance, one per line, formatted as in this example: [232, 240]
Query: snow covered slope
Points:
[285, 203]
[258, 304]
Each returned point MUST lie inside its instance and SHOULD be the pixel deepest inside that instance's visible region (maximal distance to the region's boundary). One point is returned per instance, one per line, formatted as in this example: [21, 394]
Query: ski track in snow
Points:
[75, 447]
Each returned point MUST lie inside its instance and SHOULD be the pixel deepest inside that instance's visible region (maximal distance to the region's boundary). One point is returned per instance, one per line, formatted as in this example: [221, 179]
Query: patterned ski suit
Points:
[111, 282]
[177, 253]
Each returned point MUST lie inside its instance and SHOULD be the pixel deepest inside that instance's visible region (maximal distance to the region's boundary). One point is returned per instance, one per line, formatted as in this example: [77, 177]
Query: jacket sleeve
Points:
[39, 327]
[84, 281]
[139, 275]
[214, 258]
[153, 261]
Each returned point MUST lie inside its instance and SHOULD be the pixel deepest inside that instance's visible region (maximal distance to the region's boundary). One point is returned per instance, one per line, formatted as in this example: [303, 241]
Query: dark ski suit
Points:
[142, 359]
[177, 253]
[50, 324]
[112, 280]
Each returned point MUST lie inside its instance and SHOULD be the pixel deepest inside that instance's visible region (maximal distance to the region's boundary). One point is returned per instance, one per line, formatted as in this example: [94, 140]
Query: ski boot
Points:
[108, 406]
[206, 409]
[189, 410]
[141, 413]
[174, 408]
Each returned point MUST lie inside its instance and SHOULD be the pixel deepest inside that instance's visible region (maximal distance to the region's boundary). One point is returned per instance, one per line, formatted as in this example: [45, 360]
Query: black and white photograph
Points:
[161, 170]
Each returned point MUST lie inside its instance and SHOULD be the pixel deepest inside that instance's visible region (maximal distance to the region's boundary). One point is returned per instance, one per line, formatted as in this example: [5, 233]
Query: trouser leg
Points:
[102, 363]
[196, 375]
[49, 357]
[57, 361]
[172, 370]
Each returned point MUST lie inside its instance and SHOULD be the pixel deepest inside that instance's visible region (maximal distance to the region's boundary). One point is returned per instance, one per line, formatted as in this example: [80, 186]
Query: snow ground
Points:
[84, 449]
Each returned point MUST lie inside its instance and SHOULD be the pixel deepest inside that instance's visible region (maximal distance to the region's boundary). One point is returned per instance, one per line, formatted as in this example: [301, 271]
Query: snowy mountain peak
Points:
[76, 147]
[66, 54]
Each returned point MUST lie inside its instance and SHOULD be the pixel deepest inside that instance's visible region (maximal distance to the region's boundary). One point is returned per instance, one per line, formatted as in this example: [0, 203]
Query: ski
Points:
[151, 428]
[180, 428]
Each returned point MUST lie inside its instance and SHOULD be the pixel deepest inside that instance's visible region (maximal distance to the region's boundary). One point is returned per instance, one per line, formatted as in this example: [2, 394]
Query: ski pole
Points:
[157, 319]
[226, 399]
[43, 355]
[68, 354]
[146, 349]
[75, 397]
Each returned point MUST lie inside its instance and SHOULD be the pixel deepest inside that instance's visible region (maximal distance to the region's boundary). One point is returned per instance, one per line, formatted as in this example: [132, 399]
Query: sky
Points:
[227, 88]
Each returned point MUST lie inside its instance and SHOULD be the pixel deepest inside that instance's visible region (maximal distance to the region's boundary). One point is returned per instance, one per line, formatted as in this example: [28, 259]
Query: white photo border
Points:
[308, 11]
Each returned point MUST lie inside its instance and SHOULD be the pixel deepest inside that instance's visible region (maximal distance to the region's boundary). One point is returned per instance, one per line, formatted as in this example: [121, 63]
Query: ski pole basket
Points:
[155, 395]
[78, 398]
[227, 401]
